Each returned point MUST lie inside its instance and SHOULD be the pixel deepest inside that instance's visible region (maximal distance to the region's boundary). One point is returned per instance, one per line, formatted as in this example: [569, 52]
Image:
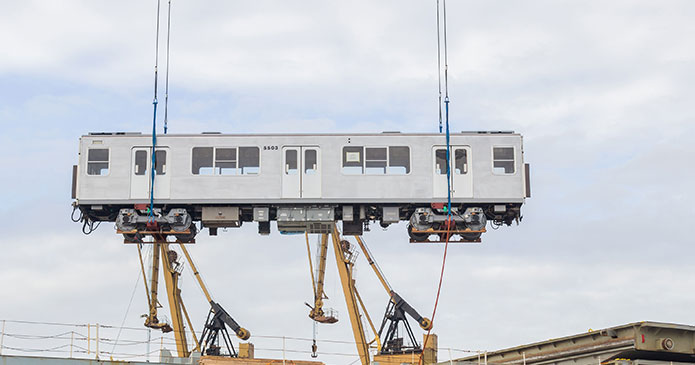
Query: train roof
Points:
[133, 134]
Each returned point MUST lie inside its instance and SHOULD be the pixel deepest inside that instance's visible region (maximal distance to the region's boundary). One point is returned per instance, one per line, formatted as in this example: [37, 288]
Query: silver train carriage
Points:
[304, 182]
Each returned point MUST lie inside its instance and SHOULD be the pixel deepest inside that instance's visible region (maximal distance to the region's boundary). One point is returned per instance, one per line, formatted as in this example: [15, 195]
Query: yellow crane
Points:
[171, 272]
[217, 319]
[395, 314]
[317, 313]
[387, 341]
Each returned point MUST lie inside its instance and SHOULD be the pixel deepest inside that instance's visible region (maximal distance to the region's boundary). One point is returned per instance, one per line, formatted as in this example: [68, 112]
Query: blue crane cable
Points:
[446, 97]
[166, 84]
[439, 69]
[448, 158]
[153, 162]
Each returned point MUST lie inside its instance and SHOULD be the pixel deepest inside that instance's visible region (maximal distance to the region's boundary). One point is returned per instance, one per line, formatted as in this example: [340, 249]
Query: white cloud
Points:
[601, 91]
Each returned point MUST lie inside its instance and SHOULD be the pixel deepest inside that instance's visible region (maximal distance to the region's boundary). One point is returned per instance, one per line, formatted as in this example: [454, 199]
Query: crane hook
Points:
[313, 350]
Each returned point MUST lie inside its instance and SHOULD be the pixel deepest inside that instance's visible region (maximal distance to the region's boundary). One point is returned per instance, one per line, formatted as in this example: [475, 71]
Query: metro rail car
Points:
[304, 182]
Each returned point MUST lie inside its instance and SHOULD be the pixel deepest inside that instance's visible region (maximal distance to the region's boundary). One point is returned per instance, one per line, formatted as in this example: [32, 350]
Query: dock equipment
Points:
[639, 343]
[388, 341]
[218, 319]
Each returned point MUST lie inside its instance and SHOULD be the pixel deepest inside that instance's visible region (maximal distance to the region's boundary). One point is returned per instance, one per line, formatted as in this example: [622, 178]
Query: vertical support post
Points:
[485, 357]
[89, 339]
[149, 338]
[97, 343]
[451, 358]
[524, 355]
[2, 336]
[283, 350]
[72, 340]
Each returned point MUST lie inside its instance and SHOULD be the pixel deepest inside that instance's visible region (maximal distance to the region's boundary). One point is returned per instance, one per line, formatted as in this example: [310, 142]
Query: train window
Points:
[503, 160]
[225, 161]
[202, 161]
[375, 160]
[399, 160]
[140, 162]
[98, 161]
[249, 160]
[352, 160]
[160, 162]
[440, 161]
[460, 161]
[291, 162]
[310, 162]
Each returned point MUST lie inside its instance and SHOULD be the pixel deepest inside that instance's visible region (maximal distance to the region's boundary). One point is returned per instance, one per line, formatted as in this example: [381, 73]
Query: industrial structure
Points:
[640, 343]
[163, 194]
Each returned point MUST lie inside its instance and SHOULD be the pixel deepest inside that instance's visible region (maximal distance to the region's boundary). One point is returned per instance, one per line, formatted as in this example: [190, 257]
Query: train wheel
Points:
[417, 236]
[471, 237]
[188, 237]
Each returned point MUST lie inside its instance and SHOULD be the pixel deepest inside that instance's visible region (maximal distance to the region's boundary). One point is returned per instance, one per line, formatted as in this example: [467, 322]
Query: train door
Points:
[461, 172]
[301, 175]
[141, 165]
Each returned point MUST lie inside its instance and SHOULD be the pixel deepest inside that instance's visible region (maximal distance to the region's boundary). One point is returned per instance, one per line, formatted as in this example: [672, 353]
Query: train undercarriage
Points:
[426, 223]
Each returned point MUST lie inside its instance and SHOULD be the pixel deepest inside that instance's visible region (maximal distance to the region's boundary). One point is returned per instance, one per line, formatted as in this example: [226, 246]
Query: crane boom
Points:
[345, 266]
[171, 279]
[317, 313]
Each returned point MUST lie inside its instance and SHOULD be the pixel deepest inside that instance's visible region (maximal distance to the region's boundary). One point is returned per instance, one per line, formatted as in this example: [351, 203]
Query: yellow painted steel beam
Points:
[323, 253]
[151, 320]
[311, 265]
[190, 324]
[369, 320]
[171, 278]
[348, 283]
[374, 266]
[196, 273]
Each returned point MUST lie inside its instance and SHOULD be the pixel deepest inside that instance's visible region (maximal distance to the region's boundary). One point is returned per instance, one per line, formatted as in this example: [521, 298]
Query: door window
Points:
[291, 162]
[310, 162]
[140, 162]
[160, 162]
[440, 162]
[460, 161]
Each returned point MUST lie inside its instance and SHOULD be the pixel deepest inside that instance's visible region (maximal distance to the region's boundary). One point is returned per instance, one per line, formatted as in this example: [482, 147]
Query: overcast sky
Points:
[602, 92]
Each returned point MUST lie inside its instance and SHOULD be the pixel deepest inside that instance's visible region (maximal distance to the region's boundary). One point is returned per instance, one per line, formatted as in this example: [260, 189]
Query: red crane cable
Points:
[439, 287]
